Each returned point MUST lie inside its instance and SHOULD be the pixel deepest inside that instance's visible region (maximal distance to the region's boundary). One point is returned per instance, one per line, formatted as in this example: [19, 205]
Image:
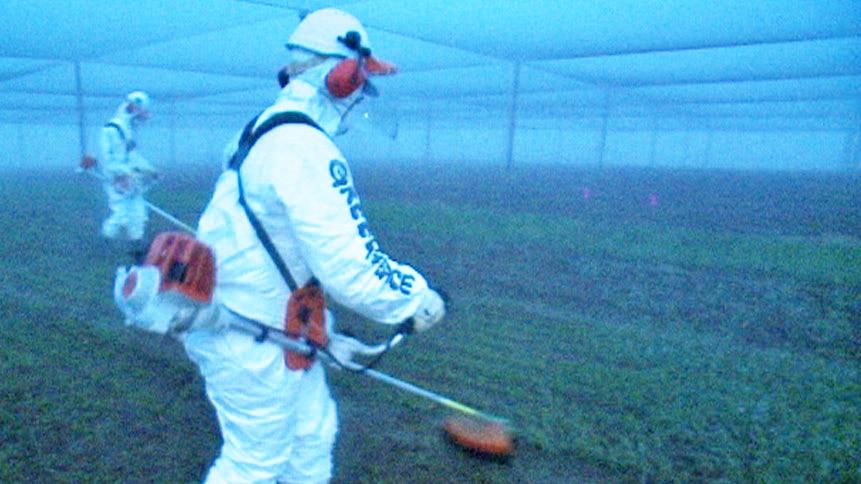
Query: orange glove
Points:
[87, 162]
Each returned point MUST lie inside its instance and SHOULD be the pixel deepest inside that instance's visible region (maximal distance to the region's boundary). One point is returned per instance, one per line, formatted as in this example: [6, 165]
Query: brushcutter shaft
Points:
[262, 333]
[179, 223]
[475, 431]
[432, 396]
[170, 218]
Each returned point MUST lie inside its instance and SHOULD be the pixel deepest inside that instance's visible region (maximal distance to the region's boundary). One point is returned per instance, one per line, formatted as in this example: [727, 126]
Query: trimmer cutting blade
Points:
[482, 437]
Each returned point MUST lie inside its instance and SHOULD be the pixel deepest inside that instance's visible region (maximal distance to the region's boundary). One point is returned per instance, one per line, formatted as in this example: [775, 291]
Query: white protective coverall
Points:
[127, 176]
[277, 424]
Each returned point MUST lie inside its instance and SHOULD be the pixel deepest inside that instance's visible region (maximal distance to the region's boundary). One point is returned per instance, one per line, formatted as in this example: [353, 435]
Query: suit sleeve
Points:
[335, 239]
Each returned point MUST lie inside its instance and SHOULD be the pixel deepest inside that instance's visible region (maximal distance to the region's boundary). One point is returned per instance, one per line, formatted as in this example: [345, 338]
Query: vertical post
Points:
[852, 146]
[428, 124]
[852, 150]
[602, 142]
[856, 153]
[172, 127]
[82, 129]
[686, 143]
[653, 145]
[22, 154]
[393, 133]
[512, 115]
[707, 154]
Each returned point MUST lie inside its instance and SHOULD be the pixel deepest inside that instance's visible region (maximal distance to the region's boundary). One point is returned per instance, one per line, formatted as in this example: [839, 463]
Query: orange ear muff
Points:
[345, 78]
[137, 110]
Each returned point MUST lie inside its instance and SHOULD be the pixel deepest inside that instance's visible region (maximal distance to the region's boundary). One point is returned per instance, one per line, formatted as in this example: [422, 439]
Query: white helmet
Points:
[334, 33]
[319, 32]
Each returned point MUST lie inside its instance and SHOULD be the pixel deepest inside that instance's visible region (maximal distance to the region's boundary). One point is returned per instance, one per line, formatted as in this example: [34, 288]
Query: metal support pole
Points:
[82, 129]
[707, 154]
[428, 127]
[602, 143]
[653, 141]
[172, 127]
[512, 115]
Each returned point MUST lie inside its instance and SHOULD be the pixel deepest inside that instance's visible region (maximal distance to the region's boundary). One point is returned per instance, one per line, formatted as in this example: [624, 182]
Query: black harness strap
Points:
[118, 128]
[246, 141]
[130, 145]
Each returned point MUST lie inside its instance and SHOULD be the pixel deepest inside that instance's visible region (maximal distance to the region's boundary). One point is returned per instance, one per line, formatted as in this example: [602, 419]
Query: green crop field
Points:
[711, 336]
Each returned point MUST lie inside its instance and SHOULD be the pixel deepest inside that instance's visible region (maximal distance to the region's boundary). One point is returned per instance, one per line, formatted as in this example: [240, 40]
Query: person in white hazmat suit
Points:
[279, 424]
[126, 174]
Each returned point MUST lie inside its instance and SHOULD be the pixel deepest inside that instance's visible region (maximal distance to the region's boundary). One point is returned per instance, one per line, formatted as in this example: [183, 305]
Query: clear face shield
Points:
[354, 109]
[139, 120]
[350, 86]
[376, 117]
[364, 111]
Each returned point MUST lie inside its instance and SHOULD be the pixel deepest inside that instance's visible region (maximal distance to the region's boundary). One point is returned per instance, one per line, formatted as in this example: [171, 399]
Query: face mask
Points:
[346, 120]
[315, 72]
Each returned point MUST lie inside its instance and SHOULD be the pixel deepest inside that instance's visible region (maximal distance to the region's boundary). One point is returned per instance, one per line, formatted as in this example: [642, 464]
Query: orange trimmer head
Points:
[480, 436]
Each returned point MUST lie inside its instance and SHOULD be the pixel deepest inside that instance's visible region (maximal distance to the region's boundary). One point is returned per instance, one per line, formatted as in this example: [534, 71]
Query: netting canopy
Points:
[739, 83]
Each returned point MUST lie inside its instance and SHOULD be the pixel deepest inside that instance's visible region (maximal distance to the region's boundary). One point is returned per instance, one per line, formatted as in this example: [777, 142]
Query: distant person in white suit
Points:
[127, 175]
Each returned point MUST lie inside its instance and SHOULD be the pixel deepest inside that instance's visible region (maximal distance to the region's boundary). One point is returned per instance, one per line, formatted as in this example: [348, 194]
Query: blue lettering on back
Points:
[393, 278]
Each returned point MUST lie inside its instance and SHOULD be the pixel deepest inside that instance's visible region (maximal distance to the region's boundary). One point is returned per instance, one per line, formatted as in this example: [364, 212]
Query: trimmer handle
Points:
[408, 327]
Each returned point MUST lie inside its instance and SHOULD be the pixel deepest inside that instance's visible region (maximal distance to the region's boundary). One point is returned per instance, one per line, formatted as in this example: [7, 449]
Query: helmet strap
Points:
[295, 68]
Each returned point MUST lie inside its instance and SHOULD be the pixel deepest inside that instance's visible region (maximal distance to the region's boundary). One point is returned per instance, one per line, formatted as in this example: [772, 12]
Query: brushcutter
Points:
[88, 165]
[170, 218]
[480, 433]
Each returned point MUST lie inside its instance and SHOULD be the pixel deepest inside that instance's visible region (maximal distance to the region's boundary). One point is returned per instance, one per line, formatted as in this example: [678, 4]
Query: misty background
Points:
[765, 85]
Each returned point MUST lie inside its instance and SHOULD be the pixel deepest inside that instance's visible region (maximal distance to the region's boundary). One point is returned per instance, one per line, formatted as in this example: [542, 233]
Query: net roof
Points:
[726, 61]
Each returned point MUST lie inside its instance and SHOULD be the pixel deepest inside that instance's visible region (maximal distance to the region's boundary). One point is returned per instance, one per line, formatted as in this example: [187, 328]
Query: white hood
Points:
[307, 93]
[124, 118]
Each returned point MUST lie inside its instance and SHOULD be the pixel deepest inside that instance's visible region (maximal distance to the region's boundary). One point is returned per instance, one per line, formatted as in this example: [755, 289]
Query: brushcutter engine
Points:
[172, 290]
[306, 320]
